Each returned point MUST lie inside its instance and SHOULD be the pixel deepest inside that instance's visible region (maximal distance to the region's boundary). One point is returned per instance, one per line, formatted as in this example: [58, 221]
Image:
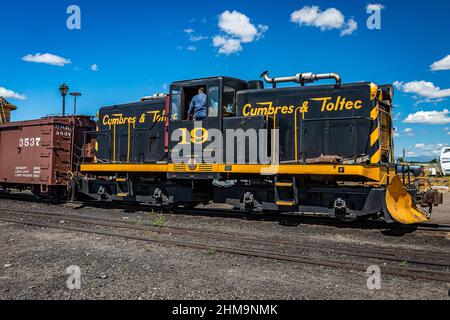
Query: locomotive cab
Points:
[183, 130]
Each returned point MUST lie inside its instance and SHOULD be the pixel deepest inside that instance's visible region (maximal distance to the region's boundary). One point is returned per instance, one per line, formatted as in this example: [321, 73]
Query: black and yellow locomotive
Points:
[324, 149]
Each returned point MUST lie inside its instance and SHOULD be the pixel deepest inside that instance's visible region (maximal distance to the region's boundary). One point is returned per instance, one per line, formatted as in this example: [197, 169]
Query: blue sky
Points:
[139, 47]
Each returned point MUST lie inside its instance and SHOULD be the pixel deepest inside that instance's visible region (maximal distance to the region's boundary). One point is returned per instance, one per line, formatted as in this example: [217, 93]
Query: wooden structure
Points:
[5, 110]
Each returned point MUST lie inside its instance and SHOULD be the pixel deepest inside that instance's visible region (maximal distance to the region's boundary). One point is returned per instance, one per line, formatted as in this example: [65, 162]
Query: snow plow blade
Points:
[400, 205]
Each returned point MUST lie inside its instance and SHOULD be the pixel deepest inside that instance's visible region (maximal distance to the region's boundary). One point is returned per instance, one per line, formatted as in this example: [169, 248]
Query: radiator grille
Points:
[385, 132]
[179, 167]
[205, 167]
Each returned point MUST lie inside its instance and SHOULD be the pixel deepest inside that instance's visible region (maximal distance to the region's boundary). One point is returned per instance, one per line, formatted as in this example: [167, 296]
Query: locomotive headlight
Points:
[192, 164]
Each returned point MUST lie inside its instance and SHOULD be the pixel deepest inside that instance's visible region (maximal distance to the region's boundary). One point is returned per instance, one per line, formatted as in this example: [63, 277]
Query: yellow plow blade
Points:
[400, 205]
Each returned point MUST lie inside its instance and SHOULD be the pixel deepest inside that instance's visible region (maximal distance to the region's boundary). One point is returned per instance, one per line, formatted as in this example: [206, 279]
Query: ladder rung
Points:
[285, 203]
[284, 184]
[122, 195]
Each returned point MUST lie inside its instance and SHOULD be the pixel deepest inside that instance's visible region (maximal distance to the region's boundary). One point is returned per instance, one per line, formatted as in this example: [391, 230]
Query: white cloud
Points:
[429, 117]
[448, 133]
[47, 58]
[443, 64]
[227, 46]
[238, 25]
[191, 48]
[423, 88]
[350, 26]
[374, 7]
[425, 150]
[6, 93]
[409, 132]
[238, 29]
[197, 38]
[94, 67]
[329, 19]
[192, 37]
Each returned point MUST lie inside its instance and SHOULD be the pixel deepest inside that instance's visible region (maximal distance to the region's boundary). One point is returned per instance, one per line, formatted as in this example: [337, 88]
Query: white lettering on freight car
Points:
[29, 142]
[22, 172]
[36, 172]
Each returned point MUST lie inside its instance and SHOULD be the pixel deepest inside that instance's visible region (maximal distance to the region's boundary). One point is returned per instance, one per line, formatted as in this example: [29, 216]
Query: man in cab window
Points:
[197, 108]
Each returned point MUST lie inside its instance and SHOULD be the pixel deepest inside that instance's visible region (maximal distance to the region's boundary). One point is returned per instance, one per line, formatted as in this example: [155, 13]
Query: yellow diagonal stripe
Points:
[374, 113]
[376, 157]
[374, 136]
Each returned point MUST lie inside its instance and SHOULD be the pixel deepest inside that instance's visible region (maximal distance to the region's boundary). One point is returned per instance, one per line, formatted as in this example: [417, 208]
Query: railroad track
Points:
[434, 227]
[435, 259]
[285, 219]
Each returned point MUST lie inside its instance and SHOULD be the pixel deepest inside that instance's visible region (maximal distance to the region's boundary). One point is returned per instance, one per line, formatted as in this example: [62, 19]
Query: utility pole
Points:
[75, 95]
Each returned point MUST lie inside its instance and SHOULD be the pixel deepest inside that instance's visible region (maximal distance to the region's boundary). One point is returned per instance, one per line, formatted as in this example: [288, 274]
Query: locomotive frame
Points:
[335, 151]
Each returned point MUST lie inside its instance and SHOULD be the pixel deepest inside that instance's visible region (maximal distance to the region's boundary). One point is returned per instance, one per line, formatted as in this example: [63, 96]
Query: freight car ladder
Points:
[285, 192]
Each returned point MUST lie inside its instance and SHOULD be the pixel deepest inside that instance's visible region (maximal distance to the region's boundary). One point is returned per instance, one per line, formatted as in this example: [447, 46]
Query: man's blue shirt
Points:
[198, 106]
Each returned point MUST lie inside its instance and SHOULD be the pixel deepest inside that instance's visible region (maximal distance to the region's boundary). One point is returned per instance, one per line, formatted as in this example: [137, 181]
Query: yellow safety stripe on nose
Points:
[374, 113]
[376, 157]
[374, 136]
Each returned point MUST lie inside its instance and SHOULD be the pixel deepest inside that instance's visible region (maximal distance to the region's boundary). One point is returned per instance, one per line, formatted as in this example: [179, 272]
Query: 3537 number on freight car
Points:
[29, 142]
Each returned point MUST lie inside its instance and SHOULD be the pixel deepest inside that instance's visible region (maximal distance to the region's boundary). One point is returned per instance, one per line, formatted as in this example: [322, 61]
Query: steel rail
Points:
[314, 247]
[433, 275]
[401, 255]
[295, 218]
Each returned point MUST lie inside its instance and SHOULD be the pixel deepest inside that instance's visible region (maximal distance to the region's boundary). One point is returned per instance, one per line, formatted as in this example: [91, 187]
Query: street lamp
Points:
[64, 89]
[75, 95]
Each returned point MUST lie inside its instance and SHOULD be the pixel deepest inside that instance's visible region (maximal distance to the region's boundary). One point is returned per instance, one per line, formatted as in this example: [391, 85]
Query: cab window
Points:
[229, 107]
[176, 106]
[213, 101]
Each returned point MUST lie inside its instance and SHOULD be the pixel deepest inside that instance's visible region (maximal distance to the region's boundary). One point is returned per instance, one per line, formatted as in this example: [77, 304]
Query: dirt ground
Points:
[34, 260]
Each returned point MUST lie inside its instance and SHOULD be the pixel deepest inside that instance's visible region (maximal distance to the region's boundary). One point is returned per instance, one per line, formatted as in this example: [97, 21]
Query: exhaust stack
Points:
[302, 78]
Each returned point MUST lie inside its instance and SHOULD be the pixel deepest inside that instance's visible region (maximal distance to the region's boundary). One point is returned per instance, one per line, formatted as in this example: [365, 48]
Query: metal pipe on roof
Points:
[302, 78]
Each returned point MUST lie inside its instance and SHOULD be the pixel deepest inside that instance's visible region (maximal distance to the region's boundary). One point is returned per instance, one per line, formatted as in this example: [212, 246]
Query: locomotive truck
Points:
[325, 149]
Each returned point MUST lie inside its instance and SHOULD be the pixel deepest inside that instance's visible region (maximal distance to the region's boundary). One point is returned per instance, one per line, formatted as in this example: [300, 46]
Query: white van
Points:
[444, 161]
